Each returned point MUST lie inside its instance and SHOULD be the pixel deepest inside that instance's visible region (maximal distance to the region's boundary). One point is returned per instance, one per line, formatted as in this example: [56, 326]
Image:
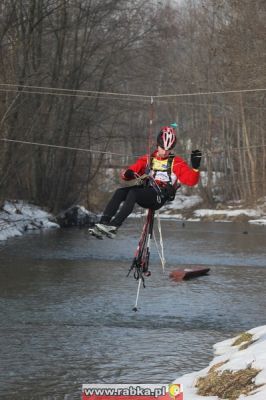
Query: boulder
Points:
[77, 216]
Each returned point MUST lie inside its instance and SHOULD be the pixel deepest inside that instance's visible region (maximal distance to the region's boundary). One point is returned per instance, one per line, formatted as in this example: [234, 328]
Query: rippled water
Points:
[66, 306]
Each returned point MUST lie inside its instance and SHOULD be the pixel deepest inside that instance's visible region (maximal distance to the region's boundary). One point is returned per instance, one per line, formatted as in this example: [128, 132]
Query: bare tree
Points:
[71, 45]
[130, 47]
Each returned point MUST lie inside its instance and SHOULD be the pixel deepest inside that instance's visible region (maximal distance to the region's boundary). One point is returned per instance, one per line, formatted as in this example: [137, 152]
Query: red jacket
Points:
[181, 172]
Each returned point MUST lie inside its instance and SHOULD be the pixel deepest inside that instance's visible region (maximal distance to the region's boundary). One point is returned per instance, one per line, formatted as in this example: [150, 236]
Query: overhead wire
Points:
[166, 98]
[211, 93]
[68, 92]
[111, 97]
[126, 155]
[79, 92]
[62, 147]
[85, 96]
[82, 149]
[55, 91]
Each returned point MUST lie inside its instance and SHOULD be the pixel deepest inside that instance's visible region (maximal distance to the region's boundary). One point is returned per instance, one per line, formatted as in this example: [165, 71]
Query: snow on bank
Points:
[182, 202]
[261, 221]
[173, 209]
[17, 217]
[257, 217]
[249, 353]
[229, 213]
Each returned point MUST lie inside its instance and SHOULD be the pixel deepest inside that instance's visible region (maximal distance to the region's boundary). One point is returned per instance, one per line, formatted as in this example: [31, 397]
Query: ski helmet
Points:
[166, 138]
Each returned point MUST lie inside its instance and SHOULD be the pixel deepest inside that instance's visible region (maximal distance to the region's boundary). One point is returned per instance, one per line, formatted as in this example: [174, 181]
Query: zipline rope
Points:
[160, 251]
[63, 147]
[79, 92]
[211, 151]
[73, 95]
[135, 308]
[121, 98]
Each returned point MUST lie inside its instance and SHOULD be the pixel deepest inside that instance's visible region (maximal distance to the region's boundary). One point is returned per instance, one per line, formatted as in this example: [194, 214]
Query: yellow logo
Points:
[159, 165]
[174, 390]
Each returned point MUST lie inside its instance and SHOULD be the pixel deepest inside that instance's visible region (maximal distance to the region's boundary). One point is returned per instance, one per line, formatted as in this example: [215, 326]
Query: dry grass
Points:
[245, 338]
[227, 384]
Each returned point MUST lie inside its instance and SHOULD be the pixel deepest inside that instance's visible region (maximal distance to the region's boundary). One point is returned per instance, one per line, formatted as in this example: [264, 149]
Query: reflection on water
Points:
[66, 306]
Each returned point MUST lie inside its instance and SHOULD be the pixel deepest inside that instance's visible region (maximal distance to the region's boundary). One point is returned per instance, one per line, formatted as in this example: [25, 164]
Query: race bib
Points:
[162, 176]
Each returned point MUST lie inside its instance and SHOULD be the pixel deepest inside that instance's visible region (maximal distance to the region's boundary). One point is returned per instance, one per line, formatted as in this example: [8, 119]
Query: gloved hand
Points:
[195, 158]
[129, 174]
[171, 191]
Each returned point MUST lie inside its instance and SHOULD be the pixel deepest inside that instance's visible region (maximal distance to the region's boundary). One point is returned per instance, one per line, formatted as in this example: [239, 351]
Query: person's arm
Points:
[137, 168]
[185, 174]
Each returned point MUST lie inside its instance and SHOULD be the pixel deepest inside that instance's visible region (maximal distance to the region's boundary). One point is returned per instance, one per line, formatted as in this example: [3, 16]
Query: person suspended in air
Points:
[157, 177]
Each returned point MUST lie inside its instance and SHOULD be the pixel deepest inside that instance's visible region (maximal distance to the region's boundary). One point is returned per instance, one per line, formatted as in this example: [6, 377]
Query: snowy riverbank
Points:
[238, 371]
[188, 208]
[18, 217]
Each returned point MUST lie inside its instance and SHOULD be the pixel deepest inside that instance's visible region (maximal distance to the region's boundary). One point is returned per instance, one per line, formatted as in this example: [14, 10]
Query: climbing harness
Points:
[160, 165]
[167, 191]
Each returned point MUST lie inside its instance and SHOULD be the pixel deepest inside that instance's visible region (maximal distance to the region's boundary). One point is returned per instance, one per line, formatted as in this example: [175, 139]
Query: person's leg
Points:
[145, 197]
[108, 225]
[126, 208]
[111, 208]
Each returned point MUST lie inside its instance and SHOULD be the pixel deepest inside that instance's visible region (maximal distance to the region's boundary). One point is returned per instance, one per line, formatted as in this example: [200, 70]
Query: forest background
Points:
[69, 73]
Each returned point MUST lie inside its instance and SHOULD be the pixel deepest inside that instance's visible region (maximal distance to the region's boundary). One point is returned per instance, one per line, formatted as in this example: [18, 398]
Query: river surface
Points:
[66, 306]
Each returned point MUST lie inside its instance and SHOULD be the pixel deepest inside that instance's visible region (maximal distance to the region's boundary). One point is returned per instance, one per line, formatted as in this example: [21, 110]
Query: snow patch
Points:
[182, 202]
[17, 217]
[228, 213]
[234, 358]
[261, 221]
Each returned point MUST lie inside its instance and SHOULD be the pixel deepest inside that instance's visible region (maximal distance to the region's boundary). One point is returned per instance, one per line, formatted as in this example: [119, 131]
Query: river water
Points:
[66, 306]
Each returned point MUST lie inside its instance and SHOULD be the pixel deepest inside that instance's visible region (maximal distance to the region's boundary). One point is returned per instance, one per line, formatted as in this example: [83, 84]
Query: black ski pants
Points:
[146, 197]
